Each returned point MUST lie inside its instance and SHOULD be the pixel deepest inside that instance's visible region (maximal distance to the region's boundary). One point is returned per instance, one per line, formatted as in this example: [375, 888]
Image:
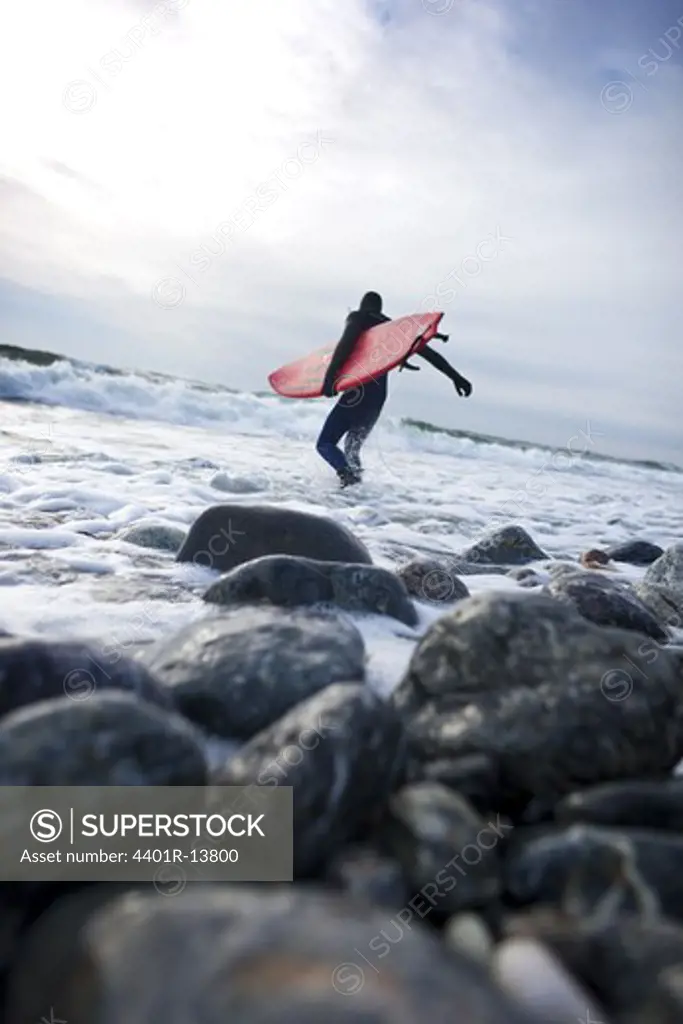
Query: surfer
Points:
[358, 409]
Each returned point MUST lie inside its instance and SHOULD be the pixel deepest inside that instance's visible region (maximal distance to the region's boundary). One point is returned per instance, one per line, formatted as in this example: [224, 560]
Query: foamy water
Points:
[103, 451]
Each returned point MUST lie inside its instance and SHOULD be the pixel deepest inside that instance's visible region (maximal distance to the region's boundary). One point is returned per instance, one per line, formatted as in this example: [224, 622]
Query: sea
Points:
[87, 451]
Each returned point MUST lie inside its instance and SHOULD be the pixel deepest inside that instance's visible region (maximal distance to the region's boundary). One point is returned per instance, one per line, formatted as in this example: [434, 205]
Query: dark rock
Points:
[35, 670]
[475, 777]
[606, 604]
[238, 672]
[429, 580]
[621, 960]
[227, 535]
[625, 871]
[275, 957]
[493, 642]
[511, 545]
[664, 602]
[447, 851]
[44, 954]
[549, 741]
[668, 568]
[160, 536]
[649, 804]
[111, 739]
[635, 552]
[342, 751]
[367, 876]
[289, 581]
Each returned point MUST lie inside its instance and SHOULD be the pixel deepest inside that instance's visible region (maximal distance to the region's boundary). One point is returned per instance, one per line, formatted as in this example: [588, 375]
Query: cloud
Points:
[443, 128]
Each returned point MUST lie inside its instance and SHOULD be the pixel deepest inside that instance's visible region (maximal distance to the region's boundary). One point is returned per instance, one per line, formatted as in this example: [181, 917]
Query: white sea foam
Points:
[103, 452]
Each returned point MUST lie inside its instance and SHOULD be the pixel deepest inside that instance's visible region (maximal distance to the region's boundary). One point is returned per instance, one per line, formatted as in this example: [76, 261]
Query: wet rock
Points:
[668, 568]
[493, 642]
[664, 602]
[447, 851]
[635, 552]
[111, 739]
[160, 536]
[621, 961]
[275, 957]
[238, 672]
[45, 951]
[550, 740]
[511, 545]
[342, 751]
[526, 577]
[623, 870]
[606, 605]
[641, 803]
[476, 777]
[36, 670]
[429, 580]
[539, 982]
[367, 876]
[594, 559]
[228, 535]
[469, 934]
[289, 581]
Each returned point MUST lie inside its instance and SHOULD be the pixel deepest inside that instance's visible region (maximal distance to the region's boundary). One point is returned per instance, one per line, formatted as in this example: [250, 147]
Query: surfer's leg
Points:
[354, 441]
[334, 428]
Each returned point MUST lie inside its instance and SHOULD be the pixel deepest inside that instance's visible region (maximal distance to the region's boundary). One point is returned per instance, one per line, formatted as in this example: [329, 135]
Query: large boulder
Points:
[285, 956]
[291, 581]
[238, 672]
[227, 535]
[342, 752]
[111, 739]
[555, 701]
[36, 670]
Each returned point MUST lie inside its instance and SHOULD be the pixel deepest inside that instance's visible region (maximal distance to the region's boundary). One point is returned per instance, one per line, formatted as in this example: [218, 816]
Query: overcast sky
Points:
[206, 187]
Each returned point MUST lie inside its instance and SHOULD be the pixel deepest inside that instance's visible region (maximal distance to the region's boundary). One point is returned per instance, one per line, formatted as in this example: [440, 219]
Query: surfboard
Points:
[377, 351]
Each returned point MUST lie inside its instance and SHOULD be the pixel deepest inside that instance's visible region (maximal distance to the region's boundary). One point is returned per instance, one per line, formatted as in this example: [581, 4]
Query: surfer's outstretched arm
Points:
[462, 385]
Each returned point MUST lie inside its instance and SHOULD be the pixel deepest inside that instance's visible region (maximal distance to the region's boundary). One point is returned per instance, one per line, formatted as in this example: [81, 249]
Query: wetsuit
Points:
[358, 409]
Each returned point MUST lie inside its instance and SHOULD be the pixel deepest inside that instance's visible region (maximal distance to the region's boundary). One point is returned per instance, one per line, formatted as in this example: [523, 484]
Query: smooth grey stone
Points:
[238, 672]
[342, 751]
[290, 581]
[226, 535]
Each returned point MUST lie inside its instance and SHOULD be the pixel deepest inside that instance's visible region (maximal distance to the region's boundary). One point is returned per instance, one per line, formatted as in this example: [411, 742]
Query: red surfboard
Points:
[378, 350]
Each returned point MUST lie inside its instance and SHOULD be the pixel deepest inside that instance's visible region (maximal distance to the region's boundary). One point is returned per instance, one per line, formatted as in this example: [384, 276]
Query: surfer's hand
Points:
[463, 387]
[328, 389]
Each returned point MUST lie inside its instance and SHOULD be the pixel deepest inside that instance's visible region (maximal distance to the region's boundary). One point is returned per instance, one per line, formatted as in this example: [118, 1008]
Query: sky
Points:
[206, 188]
